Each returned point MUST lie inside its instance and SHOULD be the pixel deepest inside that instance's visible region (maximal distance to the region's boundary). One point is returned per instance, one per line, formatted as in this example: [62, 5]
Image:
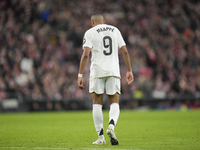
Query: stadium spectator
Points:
[162, 36]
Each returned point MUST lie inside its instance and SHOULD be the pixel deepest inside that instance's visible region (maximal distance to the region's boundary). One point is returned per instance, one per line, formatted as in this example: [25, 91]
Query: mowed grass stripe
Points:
[75, 130]
[62, 148]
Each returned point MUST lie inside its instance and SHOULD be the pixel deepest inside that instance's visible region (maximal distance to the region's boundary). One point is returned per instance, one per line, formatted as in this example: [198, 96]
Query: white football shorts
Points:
[110, 84]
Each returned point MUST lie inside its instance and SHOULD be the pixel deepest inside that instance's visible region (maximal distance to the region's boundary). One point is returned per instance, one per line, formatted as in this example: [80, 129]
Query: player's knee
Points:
[97, 101]
[97, 98]
[113, 98]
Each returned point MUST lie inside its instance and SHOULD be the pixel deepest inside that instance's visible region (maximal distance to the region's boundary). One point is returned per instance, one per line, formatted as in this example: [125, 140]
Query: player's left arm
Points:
[84, 60]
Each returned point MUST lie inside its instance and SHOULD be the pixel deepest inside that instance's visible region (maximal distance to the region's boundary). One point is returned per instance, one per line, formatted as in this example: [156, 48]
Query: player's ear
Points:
[92, 23]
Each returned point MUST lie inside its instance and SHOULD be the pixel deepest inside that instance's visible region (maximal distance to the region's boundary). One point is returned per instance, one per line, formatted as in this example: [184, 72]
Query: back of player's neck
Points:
[98, 24]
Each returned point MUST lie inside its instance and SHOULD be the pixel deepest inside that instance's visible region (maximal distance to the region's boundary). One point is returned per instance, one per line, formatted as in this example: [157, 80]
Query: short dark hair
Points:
[96, 13]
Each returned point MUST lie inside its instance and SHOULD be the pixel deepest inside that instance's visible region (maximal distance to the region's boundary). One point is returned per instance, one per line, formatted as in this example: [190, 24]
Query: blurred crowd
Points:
[41, 46]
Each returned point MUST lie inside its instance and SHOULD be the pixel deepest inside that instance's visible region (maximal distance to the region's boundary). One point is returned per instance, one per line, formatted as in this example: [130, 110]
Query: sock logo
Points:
[101, 132]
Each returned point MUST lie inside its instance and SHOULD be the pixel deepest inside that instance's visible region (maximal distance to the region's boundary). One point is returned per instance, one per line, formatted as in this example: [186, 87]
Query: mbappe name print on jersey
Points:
[105, 29]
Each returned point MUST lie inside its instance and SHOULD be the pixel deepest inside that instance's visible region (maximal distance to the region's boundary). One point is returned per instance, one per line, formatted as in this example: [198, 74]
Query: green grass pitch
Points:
[73, 130]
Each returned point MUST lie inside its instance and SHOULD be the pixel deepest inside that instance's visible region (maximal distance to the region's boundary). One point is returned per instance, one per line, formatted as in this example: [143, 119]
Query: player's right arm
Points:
[126, 58]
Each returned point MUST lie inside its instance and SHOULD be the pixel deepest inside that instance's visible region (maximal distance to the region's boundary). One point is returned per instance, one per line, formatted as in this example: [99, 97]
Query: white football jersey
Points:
[104, 41]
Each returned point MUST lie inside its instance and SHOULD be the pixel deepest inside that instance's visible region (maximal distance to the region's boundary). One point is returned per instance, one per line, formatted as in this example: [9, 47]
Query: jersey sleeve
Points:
[87, 40]
[120, 40]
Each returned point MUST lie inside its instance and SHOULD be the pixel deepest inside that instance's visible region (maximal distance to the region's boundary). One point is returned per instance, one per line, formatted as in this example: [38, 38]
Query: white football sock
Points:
[98, 119]
[113, 114]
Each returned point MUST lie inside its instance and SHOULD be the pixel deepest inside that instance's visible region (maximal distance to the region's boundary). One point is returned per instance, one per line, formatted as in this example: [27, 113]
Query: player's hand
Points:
[129, 77]
[80, 83]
